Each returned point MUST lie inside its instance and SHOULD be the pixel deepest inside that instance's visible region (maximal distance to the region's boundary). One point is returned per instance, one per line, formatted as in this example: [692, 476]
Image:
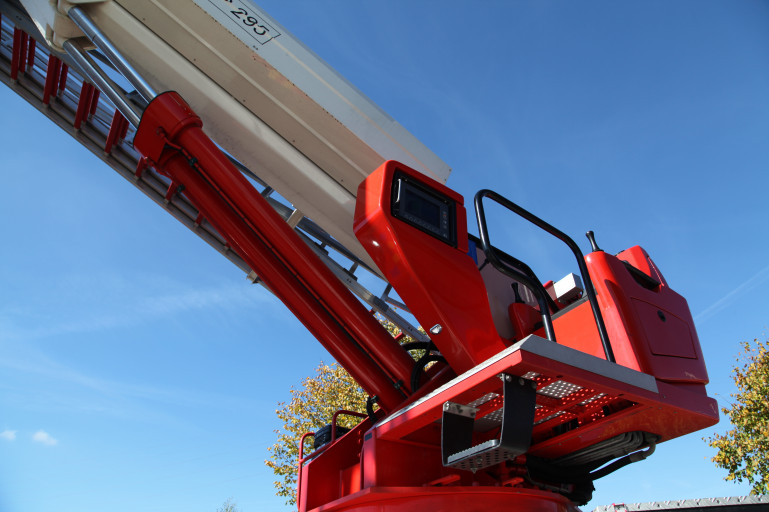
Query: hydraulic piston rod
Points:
[170, 135]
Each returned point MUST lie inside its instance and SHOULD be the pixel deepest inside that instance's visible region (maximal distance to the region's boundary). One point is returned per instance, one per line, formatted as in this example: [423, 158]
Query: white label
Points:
[241, 19]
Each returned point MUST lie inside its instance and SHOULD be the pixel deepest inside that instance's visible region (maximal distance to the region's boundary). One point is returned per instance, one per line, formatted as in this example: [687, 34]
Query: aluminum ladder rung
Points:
[98, 132]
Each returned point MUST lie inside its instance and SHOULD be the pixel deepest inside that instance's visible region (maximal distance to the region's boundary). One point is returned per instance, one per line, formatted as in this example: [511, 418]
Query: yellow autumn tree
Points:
[311, 407]
[742, 451]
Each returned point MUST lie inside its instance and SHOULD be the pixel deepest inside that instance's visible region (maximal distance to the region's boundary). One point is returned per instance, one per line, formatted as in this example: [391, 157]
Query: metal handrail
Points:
[493, 258]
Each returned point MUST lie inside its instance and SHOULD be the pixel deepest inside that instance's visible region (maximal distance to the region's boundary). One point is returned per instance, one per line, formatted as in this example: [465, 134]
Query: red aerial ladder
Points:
[527, 393]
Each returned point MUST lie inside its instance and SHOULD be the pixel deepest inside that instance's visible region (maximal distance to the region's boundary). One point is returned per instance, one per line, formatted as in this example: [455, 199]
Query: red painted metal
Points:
[23, 52]
[280, 279]
[403, 451]
[440, 283]
[448, 498]
[63, 78]
[304, 459]
[342, 412]
[141, 167]
[260, 236]
[94, 102]
[347, 310]
[16, 54]
[670, 412]
[31, 53]
[124, 130]
[651, 330]
[51, 79]
[524, 318]
[172, 188]
[115, 129]
[396, 464]
[83, 104]
[640, 259]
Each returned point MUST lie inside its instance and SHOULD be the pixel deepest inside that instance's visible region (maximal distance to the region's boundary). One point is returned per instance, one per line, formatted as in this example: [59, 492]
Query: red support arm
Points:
[271, 248]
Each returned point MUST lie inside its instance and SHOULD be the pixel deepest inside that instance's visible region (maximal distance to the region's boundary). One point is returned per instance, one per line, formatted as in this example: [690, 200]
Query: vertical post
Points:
[83, 104]
[16, 53]
[51, 79]
[31, 53]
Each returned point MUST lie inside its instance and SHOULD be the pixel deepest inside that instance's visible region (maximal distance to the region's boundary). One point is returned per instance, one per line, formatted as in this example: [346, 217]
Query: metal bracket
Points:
[517, 418]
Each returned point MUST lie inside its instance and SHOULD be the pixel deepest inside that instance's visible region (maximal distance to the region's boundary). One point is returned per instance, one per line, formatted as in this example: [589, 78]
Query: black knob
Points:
[591, 238]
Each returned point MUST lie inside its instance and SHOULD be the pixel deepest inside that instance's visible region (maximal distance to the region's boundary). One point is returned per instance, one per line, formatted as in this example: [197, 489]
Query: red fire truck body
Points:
[517, 395]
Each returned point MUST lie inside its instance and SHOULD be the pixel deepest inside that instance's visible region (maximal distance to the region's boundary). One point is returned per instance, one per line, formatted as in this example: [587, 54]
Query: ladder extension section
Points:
[264, 96]
[53, 85]
[170, 135]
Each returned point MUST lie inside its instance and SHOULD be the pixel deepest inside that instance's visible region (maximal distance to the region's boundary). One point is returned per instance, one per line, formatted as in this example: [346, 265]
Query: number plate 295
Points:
[240, 18]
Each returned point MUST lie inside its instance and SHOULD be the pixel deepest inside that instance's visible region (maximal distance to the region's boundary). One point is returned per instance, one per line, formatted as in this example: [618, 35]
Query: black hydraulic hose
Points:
[624, 461]
[584, 473]
[419, 367]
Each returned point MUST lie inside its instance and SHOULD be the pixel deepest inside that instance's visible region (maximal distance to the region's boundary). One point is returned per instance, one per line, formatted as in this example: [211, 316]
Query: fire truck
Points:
[524, 393]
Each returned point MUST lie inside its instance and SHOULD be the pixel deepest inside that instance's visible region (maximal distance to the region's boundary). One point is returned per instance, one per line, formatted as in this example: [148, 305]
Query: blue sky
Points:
[140, 371]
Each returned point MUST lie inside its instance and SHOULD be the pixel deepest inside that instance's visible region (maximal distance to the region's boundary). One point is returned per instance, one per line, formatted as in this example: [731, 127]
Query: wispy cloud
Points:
[758, 278]
[71, 389]
[112, 397]
[43, 437]
[81, 304]
[8, 435]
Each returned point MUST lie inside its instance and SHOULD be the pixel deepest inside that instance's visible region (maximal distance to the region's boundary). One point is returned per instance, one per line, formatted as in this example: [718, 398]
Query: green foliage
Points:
[742, 451]
[311, 407]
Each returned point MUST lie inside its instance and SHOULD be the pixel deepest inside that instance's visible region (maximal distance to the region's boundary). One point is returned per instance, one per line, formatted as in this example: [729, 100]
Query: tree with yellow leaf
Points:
[312, 407]
[742, 451]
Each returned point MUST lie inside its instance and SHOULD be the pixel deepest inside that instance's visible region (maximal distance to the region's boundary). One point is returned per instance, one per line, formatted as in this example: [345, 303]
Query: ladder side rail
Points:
[92, 135]
[364, 294]
[125, 161]
[241, 214]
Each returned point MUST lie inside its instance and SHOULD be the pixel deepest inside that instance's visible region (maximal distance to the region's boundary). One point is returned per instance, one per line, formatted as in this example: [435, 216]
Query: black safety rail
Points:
[535, 286]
